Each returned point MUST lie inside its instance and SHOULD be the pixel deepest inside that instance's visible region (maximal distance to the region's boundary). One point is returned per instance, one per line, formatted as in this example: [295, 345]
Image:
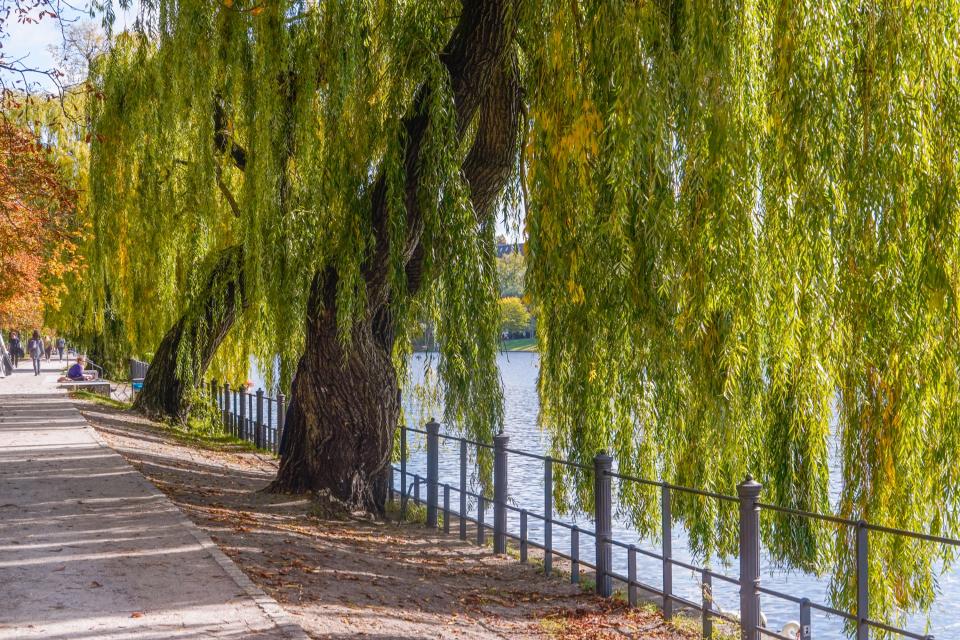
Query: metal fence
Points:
[138, 369]
[747, 500]
[259, 419]
[254, 417]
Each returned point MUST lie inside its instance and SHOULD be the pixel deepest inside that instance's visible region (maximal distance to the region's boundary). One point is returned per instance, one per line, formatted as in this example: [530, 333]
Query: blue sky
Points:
[32, 42]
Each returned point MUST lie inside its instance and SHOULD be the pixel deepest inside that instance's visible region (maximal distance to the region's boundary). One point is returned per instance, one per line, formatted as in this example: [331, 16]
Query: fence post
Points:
[863, 581]
[281, 418]
[524, 546]
[226, 406]
[403, 472]
[234, 417]
[259, 423]
[749, 494]
[706, 595]
[575, 555]
[806, 633]
[390, 483]
[547, 515]
[446, 508]
[463, 489]
[416, 489]
[603, 509]
[481, 507]
[269, 429]
[251, 428]
[666, 522]
[243, 413]
[500, 492]
[632, 576]
[433, 471]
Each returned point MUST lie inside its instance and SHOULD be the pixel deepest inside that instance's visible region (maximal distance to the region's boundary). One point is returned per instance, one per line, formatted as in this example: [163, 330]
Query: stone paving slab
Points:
[90, 549]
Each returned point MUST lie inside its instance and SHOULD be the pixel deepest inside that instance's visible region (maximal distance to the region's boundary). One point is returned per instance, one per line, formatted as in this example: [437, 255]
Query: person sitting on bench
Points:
[75, 373]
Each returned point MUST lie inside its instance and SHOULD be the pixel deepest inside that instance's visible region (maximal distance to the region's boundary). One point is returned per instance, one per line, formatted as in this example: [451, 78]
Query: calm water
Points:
[519, 375]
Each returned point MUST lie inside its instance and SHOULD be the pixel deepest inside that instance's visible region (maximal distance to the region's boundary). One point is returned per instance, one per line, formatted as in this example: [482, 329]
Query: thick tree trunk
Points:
[345, 403]
[188, 347]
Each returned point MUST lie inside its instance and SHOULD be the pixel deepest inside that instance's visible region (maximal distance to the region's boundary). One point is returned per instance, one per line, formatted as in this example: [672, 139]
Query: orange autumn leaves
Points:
[37, 226]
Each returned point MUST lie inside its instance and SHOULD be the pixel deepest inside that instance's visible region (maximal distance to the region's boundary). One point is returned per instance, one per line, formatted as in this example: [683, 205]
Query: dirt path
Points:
[353, 578]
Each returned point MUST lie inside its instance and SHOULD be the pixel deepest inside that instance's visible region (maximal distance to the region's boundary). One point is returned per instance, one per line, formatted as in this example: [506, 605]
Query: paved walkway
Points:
[89, 549]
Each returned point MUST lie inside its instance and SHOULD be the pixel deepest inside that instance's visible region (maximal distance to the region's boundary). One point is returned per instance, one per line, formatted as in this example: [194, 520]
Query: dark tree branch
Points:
[225, 190]
[223, 140]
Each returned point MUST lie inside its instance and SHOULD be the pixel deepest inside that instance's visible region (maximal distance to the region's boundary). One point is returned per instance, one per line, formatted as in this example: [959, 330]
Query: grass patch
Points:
[96, 398]
[520, 344]
[416, 513]
[196, 434]
[200, 431]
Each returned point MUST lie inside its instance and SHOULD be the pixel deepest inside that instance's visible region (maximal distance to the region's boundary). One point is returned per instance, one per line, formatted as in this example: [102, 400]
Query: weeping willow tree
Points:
[166, 220]
[762, 259]
[742, 222]
[350, 158]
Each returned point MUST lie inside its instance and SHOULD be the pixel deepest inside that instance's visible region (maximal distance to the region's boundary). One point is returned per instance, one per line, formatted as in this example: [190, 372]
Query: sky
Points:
[32, 42]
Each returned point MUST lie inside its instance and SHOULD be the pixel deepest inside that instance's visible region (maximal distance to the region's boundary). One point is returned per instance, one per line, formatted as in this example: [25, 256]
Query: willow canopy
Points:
[742, 224]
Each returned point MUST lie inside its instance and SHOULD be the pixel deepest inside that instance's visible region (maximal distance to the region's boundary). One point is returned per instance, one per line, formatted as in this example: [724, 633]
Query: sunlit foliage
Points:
[743, 229]
[314, 96]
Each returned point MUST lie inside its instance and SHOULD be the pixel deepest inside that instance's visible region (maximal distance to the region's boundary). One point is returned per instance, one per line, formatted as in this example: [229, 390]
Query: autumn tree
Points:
[38, 230]
[510, 273]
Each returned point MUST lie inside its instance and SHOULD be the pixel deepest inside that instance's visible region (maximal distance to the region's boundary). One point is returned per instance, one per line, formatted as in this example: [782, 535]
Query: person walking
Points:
[16, 348]
[61, 345]
[47, 347]
[35, 347]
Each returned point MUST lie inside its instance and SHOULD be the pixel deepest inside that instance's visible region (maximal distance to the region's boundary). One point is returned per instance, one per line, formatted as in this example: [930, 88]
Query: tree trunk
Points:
[344, 406]
[345, 402]
[188, 347]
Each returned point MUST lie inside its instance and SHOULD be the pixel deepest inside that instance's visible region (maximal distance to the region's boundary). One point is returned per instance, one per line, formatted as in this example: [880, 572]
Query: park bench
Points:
[101, 387]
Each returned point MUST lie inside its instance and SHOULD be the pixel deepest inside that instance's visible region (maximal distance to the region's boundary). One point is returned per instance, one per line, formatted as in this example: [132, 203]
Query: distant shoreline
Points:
[528, 345]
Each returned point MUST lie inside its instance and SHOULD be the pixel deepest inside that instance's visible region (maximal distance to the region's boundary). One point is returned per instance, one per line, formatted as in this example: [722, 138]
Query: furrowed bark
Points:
[345, 405]
[188, 347]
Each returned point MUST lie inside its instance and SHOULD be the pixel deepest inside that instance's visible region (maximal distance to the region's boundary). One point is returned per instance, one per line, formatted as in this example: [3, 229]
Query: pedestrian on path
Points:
[35, 347]
[16, 348]
[61, 345]
[47, 347]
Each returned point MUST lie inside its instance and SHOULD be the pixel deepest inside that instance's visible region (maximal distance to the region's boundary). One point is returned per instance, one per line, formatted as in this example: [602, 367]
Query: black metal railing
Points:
[259, 419]
[254, 417]
[747, 499]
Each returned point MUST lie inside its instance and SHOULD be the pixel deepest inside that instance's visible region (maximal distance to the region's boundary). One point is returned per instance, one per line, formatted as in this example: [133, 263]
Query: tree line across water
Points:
[741, 224]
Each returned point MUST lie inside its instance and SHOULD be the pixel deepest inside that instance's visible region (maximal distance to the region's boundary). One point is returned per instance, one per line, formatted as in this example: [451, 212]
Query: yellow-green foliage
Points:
[315, 94]
[513, 315]
[743, 221]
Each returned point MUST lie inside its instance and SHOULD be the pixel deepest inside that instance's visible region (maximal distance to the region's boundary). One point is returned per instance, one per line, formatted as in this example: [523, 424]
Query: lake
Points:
[519, 372]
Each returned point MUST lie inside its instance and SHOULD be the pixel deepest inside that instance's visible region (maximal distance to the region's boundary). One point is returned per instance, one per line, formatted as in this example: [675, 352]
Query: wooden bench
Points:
[101, 387]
